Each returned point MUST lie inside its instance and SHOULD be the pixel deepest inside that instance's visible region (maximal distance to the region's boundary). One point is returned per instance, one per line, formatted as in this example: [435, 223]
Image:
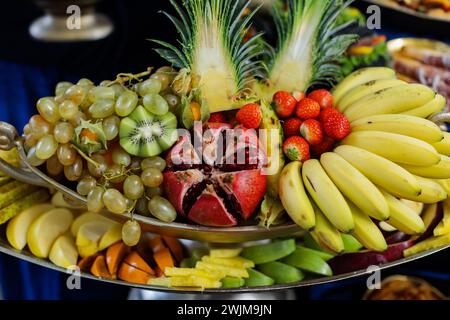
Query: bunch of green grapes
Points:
[76, 134]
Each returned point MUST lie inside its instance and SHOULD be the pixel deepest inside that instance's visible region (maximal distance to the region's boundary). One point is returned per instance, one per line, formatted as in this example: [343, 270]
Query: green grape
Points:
[153, 191]
[118, 90]
[142, 207]
[152, 177]
[149, 86]
[163, 78]
[115, 173]
[39, 127]
[63, 132]
[30, 140]
[101, 93]
[68, 109]
[74, 171]
[75, 93]
[153, 162]
[156, 104]
[101, 165]
[121, 157]
[95, 200]
[135, 165]
[46, 147]
[105, 83]
[33, 159]
[126, 103]
[76, 121]
[54, 167]
[173, 101]
[170, 72]
[131, 233]
[66, 154]
[83, 82]
[111, 127]
[62, 87]
[48, 109]
[162, 209]
[114, 201]
[27, 129]
[133, 187]
[85, 185]
[101, 109]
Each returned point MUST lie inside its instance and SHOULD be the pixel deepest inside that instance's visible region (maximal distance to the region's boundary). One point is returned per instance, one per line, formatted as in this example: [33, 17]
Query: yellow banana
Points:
[366, 231]
[402, 217]
[417, 207]
[394, 147]
[326, 234]
[437, 171]
[392, 100]
[407, 125]
[443, 146]
[381, 171]
[359, 77]
[444, 183]
[366, 89]
[355, 186]
[444, 225]
[294, 197]
[437, 104]
[327, 196]
[432, 192]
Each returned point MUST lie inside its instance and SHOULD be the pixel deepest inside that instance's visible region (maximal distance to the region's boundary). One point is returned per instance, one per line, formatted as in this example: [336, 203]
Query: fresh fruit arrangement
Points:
[278, 262]
[340, 161]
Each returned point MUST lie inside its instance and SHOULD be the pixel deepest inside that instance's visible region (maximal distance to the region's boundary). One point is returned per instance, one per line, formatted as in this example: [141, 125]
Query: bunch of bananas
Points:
[393, 156]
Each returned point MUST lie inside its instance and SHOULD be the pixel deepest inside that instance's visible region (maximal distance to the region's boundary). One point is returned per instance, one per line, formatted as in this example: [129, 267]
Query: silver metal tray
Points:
[27, 256]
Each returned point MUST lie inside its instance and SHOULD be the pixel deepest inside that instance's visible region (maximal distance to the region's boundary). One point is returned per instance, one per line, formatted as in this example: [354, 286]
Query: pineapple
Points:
[308, 46]
[212, 55]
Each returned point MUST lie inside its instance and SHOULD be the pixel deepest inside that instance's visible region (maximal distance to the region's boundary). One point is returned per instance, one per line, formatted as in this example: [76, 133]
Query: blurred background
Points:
[30, 68]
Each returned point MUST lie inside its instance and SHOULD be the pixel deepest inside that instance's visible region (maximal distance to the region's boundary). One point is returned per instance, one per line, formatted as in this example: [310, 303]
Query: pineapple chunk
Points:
[228, 271]
[441, 229]
[225, 253]
[237, 262]
[161, 282]
[194, 281]
[431, 243]
[185, 272]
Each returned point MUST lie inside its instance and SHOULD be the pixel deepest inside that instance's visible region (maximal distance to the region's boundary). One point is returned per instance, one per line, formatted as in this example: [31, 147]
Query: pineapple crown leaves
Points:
[211, 23]
[307, 32]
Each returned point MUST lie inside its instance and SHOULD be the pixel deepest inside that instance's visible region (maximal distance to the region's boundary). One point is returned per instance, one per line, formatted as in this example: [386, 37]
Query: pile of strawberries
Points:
[311, 125]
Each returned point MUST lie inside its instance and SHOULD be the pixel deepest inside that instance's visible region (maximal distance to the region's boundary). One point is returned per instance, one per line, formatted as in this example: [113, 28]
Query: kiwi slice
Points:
[144, 134]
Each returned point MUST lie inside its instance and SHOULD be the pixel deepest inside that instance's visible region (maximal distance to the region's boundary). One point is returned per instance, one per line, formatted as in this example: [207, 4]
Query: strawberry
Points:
[336, 126]
[284, 104]
[291, 127]
[249, 116]
[307, 109]
[323, 97]
[325, 146]
[312, 131]
[298, 95]
[217, 117]
[296, 148]
[327, 112]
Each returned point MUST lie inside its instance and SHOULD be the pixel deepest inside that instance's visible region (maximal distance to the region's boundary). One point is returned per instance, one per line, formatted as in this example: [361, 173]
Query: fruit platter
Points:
[237, 167]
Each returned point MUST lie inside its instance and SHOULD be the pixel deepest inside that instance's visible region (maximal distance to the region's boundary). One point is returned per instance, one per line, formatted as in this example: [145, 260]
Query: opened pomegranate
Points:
[215, 178]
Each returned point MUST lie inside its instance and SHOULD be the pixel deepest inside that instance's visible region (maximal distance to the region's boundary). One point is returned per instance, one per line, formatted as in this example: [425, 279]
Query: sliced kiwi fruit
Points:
[144, 134]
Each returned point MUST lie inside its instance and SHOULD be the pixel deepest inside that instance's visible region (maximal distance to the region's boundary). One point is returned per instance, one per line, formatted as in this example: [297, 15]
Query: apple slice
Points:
[64, 252]
[113, 235]
[85, 218]
[46, 229]
[92, 232]
[17, 229]
[89, 250]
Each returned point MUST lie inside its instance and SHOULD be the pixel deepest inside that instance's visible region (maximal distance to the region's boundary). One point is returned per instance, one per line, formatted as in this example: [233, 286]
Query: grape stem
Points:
[85, 157]
[124, 77]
